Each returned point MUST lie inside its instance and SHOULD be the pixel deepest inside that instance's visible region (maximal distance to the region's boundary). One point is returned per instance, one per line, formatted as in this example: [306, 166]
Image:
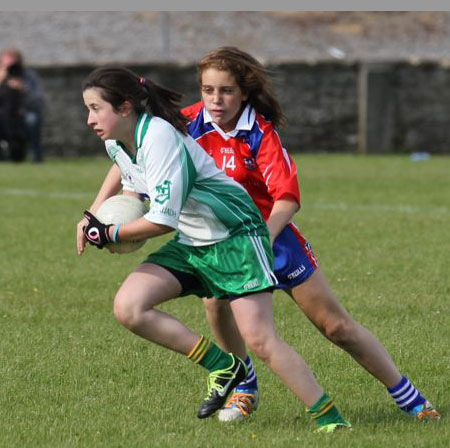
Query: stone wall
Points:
[320, 102]
[323, 103]
[422, 108]
[65, 132]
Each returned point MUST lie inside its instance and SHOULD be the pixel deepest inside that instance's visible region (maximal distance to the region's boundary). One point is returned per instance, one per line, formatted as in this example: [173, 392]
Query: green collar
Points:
[140, 129]
[128, 153]
[139, 133]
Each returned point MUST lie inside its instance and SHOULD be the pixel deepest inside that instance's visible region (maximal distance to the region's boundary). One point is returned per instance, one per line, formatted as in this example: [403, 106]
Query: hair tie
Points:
[142, 80]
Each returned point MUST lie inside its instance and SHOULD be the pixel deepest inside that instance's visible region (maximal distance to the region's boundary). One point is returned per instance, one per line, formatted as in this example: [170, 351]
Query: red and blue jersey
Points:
[252, 154]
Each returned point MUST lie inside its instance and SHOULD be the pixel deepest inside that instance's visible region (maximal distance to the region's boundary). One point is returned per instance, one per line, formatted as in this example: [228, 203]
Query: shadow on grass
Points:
[388, 416]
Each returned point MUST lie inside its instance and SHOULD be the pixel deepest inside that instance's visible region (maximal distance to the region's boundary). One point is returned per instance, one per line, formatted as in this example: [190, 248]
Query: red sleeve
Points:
[277, 167]
[192, 111]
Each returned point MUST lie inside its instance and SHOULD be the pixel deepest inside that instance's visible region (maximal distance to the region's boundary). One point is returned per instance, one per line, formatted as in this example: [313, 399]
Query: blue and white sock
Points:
[251, 382]
[405, 395]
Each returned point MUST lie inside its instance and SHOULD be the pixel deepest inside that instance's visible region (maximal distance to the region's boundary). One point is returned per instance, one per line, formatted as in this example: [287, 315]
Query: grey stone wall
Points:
[65, 132]
[322, 102]
[422, 108]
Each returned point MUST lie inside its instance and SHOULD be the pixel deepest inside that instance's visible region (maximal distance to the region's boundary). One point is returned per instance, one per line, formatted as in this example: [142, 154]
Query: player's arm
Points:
[139, 229]
[99, 234]
[168, 179]
[280, 175]
[165, 184]
[282, 213]
[110, 187]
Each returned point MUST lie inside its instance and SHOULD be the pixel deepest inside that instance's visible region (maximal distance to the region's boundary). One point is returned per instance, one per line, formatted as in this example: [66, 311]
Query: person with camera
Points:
[21, 108]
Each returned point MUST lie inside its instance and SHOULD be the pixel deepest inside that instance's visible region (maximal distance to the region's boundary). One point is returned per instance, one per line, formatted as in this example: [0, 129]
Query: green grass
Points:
[71, 376]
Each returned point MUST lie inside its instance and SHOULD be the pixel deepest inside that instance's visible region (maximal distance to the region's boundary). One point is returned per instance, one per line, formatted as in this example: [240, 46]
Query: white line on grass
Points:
[339, 206]
[47, 194]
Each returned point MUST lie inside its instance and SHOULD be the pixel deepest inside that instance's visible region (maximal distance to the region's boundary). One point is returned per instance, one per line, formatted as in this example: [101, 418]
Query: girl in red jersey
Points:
[235, 123]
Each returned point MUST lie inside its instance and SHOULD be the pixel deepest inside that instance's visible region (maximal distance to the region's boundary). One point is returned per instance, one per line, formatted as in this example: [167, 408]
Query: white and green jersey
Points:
[186, 189]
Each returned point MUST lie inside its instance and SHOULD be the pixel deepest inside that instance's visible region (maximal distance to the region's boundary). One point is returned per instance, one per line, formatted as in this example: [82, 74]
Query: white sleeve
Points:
[164, 174]
[127, 186]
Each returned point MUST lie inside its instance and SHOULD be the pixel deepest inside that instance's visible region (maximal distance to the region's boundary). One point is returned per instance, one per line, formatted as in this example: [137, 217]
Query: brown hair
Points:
[119, 84]
[250, 75]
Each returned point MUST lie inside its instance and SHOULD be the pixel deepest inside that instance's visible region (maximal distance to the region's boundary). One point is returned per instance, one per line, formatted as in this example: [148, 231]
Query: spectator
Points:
[21, 104]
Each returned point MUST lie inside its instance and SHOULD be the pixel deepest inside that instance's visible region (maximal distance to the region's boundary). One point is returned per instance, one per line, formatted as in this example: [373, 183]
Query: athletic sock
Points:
[324, 412]
[251, 381]
[209, 355]
[405, 395]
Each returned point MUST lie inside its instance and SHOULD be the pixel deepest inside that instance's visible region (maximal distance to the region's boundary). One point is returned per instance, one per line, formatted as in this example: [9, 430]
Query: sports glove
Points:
[96, 232]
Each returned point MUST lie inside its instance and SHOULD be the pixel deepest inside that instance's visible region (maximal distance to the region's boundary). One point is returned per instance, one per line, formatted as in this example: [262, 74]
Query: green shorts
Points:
[239, 265]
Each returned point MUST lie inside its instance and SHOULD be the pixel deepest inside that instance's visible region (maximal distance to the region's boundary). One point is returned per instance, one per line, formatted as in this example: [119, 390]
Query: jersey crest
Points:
[250, 163]
[163, 191]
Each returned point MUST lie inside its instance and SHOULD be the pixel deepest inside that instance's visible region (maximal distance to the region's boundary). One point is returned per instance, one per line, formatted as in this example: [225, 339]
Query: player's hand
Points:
[81, 239]
[15, 83]
[96, 232]
[3, 74]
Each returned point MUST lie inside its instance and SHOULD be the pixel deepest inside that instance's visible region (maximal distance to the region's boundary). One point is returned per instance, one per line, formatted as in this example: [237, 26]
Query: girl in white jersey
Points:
[219, 233]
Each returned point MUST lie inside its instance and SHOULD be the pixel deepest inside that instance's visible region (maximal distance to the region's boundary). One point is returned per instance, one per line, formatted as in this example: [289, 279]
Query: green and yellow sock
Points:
[209, 355]
[324, 412]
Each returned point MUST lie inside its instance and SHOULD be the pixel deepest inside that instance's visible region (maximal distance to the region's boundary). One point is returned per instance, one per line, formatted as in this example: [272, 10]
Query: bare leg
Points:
[222, 322]
[315, 298]
[254, 317]
[148, 286]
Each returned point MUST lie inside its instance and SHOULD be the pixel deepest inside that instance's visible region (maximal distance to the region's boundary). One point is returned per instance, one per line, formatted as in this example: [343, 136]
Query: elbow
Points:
[166, 229]
[290, 201]
[158, 230]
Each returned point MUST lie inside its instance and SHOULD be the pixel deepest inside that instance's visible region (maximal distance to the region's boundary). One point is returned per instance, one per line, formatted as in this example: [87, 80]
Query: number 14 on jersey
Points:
[228, 163]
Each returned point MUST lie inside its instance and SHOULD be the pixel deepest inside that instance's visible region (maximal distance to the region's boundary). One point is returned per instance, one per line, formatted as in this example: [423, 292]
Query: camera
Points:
[15, 70]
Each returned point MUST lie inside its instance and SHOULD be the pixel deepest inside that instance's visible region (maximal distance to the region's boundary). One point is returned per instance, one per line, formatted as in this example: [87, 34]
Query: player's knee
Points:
[122, 312]
[127, 313]
[341, 331]
[261, 345]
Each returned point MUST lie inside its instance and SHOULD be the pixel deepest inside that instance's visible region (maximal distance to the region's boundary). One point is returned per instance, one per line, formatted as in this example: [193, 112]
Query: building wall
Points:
[422, 108]
[322, 102]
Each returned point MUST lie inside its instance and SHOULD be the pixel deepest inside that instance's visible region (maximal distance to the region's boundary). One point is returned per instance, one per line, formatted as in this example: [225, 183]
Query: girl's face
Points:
[102, 118]
[222, 97]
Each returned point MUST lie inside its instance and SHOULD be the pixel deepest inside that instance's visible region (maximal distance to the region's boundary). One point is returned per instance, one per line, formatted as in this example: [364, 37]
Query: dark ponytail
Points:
[119, 84]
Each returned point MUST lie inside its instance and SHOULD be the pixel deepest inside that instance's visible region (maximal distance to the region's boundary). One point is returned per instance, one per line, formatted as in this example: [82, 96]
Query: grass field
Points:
[71, 376]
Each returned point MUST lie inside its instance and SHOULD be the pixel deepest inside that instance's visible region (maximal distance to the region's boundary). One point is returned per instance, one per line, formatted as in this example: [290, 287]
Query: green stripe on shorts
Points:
[239, 265]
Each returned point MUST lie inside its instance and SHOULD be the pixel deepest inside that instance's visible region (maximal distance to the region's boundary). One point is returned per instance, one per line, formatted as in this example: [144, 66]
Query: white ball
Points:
[121, 209]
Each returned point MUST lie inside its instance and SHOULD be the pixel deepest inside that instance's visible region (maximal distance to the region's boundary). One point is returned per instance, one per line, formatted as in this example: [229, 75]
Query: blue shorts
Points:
[294, 261]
